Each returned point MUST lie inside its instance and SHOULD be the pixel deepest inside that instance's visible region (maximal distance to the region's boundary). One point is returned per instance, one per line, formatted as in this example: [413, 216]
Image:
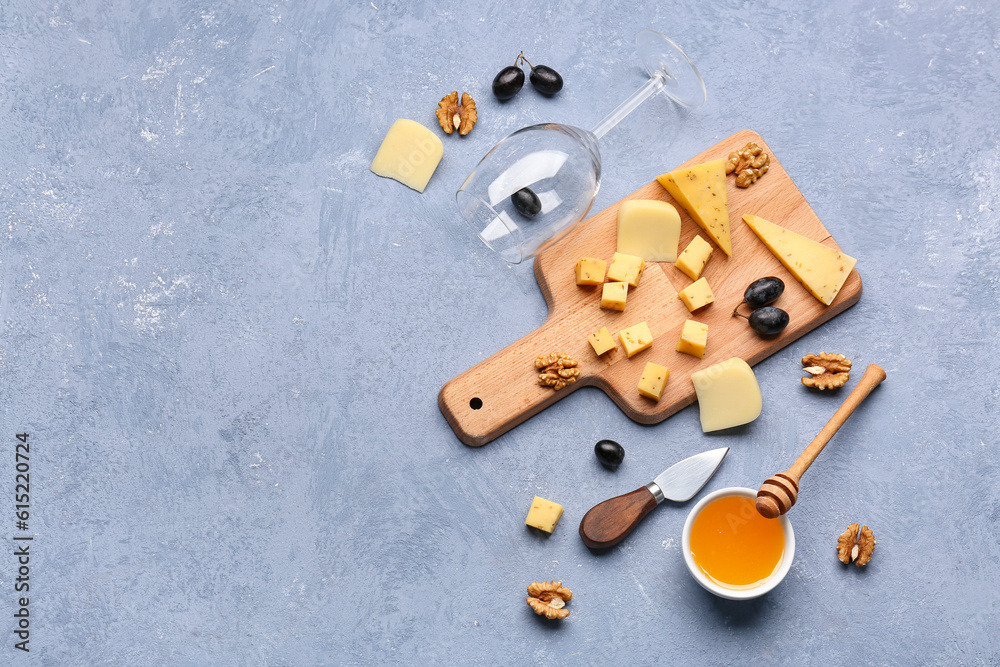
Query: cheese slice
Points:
[701, 190]
[649, 228]
[820, 269]
[728, 395]
[410, 153]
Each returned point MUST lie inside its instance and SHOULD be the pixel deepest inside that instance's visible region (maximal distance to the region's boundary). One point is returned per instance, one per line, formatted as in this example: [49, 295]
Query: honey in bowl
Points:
[734, 545]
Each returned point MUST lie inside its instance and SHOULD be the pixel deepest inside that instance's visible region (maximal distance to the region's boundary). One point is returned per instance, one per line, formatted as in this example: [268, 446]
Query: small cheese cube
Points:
[654, 378]
[410, 153]
[649, 228]
[696, 295]
[544, 514]
[613, 296]
[635, 339]
[694, 337]
[728, 395]
[694, 257]
[602, 341]
[626, 269]
[590, 271]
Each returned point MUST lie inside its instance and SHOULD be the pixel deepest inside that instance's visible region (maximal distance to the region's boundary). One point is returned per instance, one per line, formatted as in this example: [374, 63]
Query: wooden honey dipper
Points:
[779, 492]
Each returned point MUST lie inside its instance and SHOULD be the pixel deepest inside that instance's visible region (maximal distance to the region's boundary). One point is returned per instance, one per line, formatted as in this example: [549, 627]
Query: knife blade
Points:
[608, 523]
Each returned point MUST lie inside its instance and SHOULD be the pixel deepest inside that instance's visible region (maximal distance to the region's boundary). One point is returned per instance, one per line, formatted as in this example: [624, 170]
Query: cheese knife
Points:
[608, 523]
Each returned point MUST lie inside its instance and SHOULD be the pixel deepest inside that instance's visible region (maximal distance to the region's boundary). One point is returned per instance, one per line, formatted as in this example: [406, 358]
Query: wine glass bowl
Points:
[560, 164]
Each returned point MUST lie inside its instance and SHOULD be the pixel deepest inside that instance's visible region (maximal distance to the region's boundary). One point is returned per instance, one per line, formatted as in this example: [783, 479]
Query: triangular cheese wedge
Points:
[821, 270]
[701, 190]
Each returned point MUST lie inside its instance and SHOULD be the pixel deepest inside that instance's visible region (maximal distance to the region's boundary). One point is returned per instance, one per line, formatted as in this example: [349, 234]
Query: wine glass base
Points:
[664, 59]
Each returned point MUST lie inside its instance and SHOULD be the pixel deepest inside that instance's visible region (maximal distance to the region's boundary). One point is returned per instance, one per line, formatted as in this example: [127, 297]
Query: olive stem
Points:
[523, 59]
[736, 310]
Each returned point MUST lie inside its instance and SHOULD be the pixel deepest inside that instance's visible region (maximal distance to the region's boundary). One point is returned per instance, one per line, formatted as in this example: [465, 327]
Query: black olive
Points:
[526, 202]
[768, 320]
[764, 291]
[508, 82]
[546, 80]
[609, 453]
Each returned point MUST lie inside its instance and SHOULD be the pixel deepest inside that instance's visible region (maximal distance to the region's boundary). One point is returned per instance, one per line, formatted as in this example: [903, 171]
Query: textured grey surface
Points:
[226, 336]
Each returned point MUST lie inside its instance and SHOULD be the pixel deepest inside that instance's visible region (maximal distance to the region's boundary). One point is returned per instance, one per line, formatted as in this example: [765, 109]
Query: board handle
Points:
[502, 391]
[610, 522]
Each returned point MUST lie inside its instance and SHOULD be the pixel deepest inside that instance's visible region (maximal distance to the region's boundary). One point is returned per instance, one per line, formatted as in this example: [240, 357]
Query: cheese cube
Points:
[602, 341]
[590, 271]
[694, 257]
[613, 296]
[649, 228]
[694, 337]
[654, 378]
[635, 339]
[696, 295]
[626, 269]
[728, 395]
[544, 514]
[410, 153]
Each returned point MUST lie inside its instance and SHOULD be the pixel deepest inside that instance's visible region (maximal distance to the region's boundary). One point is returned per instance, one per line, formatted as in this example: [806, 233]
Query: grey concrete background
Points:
[226, 336]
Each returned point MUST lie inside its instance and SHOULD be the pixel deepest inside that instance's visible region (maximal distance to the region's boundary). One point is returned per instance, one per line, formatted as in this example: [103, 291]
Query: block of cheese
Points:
[544, 514]
[694, 338]
[820, 269]
[590, 271]
[654, 378]
[613, 296]
[701, 190]
[409, 154]
[696, 295]
[626, 268]
[649, 228]
[692, 261]
[602, 341]
[728, 395]
[635, 339]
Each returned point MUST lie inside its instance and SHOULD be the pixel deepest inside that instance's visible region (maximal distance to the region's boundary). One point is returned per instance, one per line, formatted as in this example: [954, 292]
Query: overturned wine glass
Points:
[540, 181]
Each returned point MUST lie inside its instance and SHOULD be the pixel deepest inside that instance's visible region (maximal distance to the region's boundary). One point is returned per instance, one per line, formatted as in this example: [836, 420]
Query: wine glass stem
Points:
[643, 93]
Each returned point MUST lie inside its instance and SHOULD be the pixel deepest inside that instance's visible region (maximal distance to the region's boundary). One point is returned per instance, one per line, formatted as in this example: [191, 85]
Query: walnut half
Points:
[856, 544]
[827, 371]
[749, 163]
[454, 116]
[549, 599]
[557, 370]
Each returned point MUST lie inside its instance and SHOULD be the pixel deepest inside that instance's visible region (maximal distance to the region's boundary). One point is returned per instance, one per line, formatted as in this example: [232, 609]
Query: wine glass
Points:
[540, 181]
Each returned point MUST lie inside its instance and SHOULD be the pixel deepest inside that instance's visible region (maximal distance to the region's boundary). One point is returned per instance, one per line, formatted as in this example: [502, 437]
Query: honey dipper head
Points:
[776, 495]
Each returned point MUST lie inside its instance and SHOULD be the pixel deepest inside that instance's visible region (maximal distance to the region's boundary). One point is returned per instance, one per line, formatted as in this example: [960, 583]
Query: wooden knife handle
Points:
[608, 523]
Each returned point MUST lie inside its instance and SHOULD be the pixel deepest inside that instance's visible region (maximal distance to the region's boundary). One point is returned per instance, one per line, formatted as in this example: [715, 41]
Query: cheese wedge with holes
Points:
[821, 269]
[649, 228]
[701, 190]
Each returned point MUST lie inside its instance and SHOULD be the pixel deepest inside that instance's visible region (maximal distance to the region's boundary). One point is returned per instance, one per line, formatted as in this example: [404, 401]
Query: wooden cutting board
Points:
[502, 391]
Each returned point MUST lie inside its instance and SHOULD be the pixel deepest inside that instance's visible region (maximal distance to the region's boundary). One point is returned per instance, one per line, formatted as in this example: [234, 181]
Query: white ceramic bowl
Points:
[737, 593]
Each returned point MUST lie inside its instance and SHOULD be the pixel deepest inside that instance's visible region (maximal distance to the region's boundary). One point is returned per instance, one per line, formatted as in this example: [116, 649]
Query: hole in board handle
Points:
[476, 403]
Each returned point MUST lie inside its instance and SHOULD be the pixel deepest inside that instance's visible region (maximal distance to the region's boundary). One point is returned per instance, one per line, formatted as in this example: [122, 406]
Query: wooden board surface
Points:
[501, 391]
